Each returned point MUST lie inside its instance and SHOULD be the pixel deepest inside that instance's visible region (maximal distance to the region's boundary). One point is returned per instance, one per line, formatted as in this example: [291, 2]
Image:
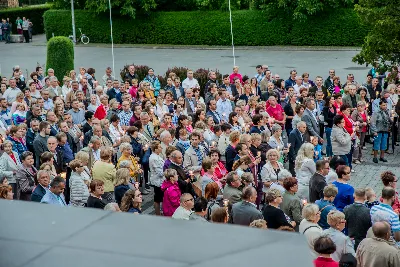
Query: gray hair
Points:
[144, 114]
[174, 154]
[164, 134]
[57, 181]
[309, 211]
[308, 101]
[41, 172]
[284, 174]
[94, 139]
[125, 163]
[380, 216]
[275, 128]
[111, 207]
[265, 135]
[53, 79]
[7, 142]
[301, 123]
[125, 146]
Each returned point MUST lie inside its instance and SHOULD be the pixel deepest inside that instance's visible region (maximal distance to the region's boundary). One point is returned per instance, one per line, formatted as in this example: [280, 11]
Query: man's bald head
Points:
[381, 230]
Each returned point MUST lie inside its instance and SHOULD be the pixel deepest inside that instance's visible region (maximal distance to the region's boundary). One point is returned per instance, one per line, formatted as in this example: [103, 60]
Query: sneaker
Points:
[388, 152]
[364, 148]
[145, 192]
[375, 160]
[383, 159]
[353, 171]
[356, 161]
[147, 186]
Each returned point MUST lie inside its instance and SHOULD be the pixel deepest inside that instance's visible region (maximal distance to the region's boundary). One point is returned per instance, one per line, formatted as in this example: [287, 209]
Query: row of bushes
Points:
[250, 28]
[34, 13]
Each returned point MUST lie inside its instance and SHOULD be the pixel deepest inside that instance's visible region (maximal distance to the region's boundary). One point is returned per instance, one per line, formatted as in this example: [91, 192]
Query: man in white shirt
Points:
[11, 93]
[298, 85]
[224, 106]
[190, 82]
[185, 209]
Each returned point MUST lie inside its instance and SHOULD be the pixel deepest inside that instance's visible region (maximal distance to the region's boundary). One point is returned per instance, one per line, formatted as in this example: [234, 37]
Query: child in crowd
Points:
[371, 198]
[317, 148]
[134, 88]
[189, 126]
[19, 115]
[172, 193]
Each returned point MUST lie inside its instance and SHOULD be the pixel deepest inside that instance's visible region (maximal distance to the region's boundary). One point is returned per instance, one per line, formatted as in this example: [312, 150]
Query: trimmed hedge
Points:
[34, 13]
[250, 28]
[60, 56]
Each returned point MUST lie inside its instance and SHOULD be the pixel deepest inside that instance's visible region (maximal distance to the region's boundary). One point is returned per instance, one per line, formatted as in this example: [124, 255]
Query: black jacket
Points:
[295, 140]
[317, 185]
[215, 118]
[184, 186]
[230, 154]
[30, 136]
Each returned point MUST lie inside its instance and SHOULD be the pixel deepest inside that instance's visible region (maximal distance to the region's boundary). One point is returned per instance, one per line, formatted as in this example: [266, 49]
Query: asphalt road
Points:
[280, 59]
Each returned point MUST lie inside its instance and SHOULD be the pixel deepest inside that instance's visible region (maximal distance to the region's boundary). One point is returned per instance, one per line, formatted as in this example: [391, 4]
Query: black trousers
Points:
[26, 35]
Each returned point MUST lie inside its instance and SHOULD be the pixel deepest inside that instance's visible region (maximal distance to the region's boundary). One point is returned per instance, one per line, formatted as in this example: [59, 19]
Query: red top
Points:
[220, 171]
[337, 106]
[276, 112]
[233, 76]
[13, 157]
[101, 112]
[348, 123]
[133, 91]
[325, 262]
[364, 117]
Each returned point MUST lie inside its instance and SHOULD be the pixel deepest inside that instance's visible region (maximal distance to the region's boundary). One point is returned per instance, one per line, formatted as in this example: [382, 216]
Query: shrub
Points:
[250, 28]
[60, 56]
[180, 72]
[142, 71]
[34, 13]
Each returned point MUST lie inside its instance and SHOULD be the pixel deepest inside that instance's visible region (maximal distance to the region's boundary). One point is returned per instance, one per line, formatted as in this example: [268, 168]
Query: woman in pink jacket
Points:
[172, 193]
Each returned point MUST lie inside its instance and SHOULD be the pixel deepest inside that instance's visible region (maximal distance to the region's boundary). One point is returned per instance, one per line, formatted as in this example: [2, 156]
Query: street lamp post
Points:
[73, 22]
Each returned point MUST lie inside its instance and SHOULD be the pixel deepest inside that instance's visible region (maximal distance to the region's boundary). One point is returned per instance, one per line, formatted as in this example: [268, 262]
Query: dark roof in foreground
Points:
[39, 235]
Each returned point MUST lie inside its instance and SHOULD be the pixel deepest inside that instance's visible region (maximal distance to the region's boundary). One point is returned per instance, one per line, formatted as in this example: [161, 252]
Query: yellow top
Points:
[134, 169]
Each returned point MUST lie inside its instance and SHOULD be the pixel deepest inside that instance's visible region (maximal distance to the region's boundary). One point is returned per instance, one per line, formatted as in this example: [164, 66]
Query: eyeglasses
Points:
[190, 199]
[347, 173]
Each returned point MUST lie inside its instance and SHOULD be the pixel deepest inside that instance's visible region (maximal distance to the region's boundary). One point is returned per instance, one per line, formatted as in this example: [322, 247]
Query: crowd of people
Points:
[256, 151]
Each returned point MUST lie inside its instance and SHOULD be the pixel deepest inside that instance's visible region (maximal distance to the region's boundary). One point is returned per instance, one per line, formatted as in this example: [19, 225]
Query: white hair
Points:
[305, 152]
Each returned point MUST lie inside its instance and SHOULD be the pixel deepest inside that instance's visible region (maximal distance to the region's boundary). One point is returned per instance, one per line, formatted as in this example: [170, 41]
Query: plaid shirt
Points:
[125, 117]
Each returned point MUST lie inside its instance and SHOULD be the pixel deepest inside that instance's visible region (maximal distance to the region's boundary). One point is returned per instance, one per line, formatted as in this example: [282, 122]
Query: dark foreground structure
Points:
[39, 235]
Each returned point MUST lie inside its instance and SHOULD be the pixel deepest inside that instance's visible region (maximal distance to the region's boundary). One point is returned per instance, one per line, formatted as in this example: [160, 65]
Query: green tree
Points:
[60, 56]
[382, 44]
[301, 9]
[130, 8]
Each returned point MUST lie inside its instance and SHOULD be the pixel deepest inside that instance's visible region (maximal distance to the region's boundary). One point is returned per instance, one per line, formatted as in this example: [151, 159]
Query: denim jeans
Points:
[328, 132]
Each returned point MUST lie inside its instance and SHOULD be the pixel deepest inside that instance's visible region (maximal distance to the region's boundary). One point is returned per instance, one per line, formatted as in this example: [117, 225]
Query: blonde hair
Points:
[82, 156]
[305, 152]
[234, 136]
[260, 223]
[370, 193]
[335, 217]
[272, 151]
[243, 137]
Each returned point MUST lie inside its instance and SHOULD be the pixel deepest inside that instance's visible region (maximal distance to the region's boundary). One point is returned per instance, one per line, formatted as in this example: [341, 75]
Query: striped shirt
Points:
[394, 218]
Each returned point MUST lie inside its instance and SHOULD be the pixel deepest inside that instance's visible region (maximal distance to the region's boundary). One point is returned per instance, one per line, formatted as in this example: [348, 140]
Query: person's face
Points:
[96, 145]
[178, 159]
[44, 180]
[138, 196]
[272, 101]
[13, 83]
[213, 75]
[54, 83]
[331, 73]
[245, 150]
[273, 157]
[10, 195]
[126, 106]
[338, 99]
[47, 130]
[28, 161]
[318, 82]
[169, 81]
[51, 116]
[8, 149]
[236, 181]
[214, 157]
[293, 75]
[127, 152]
[341, 225]
[79, 96]
[346, 112]
[145, 119]
[131, 69]
[311, 105]
[195, 141]
[299, 81]
[213, 105]
[35, 126]
[58, 190]
[383, 106]
[375, 82]
[188, 203]
[189, 94]
[177, 83]
[51, 144]
[167, 119]
[99, 190]
[325, 169]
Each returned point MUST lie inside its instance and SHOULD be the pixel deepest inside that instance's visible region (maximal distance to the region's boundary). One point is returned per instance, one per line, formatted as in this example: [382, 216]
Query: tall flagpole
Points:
[233, 46]
[112, 39]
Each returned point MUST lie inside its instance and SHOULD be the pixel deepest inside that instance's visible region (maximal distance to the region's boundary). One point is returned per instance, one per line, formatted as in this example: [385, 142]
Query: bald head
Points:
[176, 157]
[381, 230]
[249, 194]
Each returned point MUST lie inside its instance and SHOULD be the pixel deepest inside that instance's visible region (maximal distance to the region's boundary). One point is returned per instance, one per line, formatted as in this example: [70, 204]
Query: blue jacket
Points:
[50, 198]
[289, 83]
[325, 207]
[154, 82]
[18, 146]
[38, 193]
[173, 91]
[67, 153]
